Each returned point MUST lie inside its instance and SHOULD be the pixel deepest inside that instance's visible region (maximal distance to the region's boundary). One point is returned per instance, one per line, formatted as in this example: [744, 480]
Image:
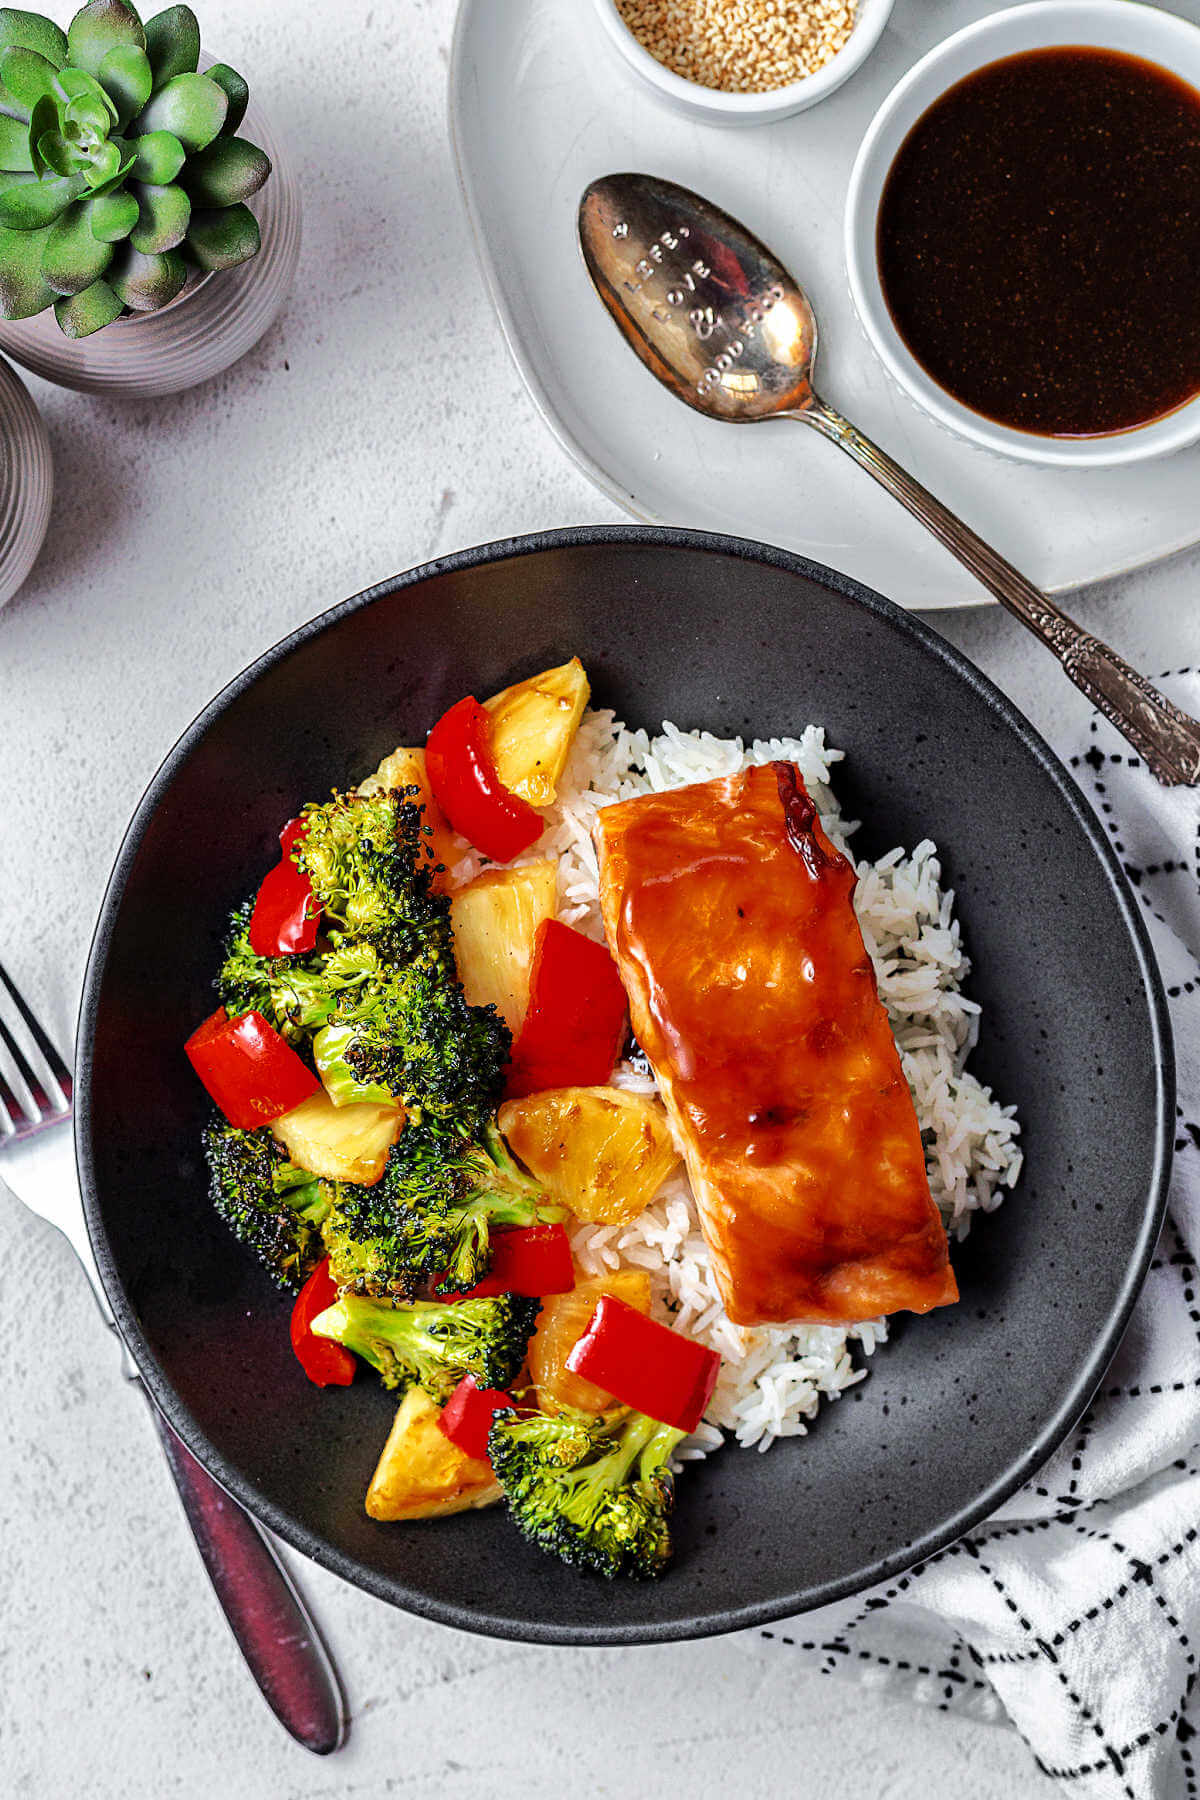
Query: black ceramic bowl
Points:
[712, 632]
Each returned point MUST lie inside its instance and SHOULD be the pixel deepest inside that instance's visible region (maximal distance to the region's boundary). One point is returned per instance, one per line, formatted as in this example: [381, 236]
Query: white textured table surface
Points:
[187, 535]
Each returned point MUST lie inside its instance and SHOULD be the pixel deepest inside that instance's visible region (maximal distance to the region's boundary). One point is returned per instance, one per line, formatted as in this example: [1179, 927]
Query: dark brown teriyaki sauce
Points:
[1039, 241]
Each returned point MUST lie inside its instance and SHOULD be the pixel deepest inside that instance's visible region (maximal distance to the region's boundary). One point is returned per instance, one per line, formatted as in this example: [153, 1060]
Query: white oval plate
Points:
[540, 103]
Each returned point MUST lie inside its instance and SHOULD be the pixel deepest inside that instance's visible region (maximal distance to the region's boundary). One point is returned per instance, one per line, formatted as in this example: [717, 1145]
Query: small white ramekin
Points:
[718, 108]
[1126, 25]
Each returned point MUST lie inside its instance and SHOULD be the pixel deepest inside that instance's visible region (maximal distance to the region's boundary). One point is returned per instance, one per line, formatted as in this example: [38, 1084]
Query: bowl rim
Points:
[476, 1617]
[746, 108]
[915, 92]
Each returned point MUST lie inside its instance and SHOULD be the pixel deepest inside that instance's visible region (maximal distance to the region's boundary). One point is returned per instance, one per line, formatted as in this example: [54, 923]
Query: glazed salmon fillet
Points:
[730, 915]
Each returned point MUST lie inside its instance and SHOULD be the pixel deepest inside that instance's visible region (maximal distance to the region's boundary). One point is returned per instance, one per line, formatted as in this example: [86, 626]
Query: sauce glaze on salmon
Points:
[731, 917]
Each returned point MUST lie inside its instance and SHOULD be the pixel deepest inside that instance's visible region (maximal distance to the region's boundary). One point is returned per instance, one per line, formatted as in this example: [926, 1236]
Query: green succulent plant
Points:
[119, 167]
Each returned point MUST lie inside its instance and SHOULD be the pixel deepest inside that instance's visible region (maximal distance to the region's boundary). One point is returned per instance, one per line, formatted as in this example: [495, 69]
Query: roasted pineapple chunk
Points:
[562, 1322]
[340, 1143]
[533, 726]
[601, 1151]
[406, 768]
[495, 919]
[421, 1474]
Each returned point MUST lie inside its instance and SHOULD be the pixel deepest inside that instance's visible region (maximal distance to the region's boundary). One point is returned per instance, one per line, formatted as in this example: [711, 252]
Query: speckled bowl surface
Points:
[712, 632]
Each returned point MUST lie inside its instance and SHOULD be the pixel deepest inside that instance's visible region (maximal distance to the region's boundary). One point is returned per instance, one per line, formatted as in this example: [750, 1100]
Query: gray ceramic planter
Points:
[204, 331]
[26, 482]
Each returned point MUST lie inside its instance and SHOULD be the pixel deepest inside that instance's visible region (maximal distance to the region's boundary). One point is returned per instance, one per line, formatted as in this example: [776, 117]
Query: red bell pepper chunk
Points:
[462, 774]
[323, 1361]
[286, 915]
[645, 1365]
[466, 1418]
[575, 1023]
[249, 1071]
[532, 1259]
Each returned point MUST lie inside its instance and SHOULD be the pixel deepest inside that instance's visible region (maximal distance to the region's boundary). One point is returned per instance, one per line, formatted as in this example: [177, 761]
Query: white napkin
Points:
[1076, 1608]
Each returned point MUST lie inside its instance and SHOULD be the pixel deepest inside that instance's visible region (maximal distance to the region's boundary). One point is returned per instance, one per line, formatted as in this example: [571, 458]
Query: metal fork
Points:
[269, 1620]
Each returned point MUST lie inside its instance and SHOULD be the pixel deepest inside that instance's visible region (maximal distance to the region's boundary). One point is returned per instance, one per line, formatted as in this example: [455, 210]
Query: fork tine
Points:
[11, 1105]
[54, 1062]
[36, 1088]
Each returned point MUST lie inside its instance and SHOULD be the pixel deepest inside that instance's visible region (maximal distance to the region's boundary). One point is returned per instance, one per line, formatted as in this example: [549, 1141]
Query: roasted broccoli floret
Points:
[269, 1204]
[434, 1344]
[305, 990]
[295, 993]
[596, 1492]
[451, 1194]
[371, 870]
[432, 1216]
[405, 1032]
[244, 978]
[361, 1242]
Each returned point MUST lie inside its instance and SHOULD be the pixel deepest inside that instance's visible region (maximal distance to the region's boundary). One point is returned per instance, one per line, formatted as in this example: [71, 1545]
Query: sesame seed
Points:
[741, 46]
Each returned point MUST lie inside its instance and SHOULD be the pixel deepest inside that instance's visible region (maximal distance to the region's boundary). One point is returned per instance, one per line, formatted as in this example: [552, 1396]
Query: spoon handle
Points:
[1165, 737]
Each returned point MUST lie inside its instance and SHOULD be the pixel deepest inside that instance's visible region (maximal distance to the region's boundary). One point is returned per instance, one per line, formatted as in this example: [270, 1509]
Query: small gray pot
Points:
[212, 323]
[26, 482]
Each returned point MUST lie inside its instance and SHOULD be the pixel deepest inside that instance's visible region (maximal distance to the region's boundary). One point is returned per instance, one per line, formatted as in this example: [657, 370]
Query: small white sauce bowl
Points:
[716, 107]
[1126, 25]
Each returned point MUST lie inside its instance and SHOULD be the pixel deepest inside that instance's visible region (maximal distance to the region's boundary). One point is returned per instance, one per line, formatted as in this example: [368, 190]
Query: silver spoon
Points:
[728, 330]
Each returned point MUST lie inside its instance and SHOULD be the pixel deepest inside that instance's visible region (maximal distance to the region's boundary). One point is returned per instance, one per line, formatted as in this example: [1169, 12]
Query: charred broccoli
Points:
[361, 1241]
[405, 1032]
[389, 1013]
[371, 870]
[294, 993]
[432, 1216]
[306, 990]
[432, 1343]
[596, 1492]
[381, 1006]
[270, 1205]
[244, 978]
[451, 1194]
[297, 993]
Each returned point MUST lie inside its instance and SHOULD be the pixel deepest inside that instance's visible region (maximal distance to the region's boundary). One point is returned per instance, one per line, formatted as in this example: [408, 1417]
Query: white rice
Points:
[773, 1378]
